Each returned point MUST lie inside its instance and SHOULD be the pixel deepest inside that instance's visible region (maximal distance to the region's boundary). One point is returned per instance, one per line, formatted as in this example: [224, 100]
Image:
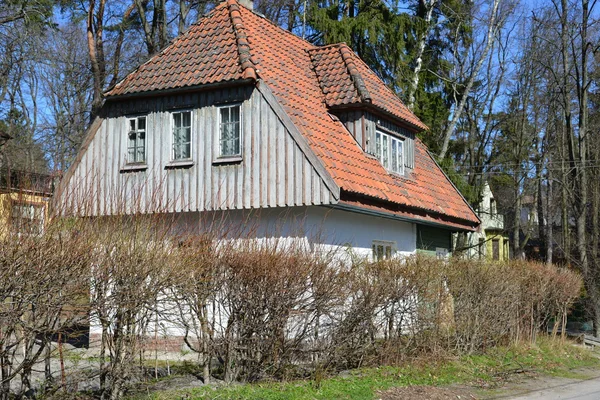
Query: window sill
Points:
[227, 160]
[396, 174]
[180, 164]
[407, 176]
[134, 167]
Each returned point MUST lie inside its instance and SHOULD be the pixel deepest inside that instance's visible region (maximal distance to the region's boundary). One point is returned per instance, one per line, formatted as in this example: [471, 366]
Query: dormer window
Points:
[390, 151]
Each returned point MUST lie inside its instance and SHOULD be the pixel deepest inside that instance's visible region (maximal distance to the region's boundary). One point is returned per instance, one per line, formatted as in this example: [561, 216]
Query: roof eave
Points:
[382, 112]
[392, 211]
[184, 89]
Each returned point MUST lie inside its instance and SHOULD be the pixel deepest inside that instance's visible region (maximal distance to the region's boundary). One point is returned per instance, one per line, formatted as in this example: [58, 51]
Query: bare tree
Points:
[493, 21]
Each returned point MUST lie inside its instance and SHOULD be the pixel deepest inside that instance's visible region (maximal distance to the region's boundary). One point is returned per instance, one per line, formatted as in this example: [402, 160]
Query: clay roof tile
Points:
[308, 81]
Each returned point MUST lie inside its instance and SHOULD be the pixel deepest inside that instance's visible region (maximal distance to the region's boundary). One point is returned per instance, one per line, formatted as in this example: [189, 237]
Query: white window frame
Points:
[240, 133]
[388, 250]
[384, 150]
[173, 155]
[137, 131]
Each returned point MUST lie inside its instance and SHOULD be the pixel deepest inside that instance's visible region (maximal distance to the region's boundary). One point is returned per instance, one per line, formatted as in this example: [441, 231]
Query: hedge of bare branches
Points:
[252, 309]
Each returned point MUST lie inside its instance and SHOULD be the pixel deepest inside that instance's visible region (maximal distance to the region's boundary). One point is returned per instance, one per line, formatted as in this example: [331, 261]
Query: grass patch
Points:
[546, 357]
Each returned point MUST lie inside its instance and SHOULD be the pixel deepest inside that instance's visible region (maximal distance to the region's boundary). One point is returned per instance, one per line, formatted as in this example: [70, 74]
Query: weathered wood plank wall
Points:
[363, 125]
[274, 171]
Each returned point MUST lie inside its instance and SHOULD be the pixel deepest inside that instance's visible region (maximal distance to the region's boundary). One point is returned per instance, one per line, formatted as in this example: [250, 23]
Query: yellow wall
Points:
[6, 201]
[502, 242]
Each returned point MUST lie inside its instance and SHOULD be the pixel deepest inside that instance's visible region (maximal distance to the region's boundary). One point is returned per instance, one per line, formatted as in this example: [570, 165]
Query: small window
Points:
[229, 129]
[27, 218]
[136, 144]
[493, 210]
[182, 135]
[390, 151]
[383, 250]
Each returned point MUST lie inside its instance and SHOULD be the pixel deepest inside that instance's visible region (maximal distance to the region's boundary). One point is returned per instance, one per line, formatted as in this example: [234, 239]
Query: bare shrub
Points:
[43, 294]
[401, 301]
[547, 293]
[256, 306]
[495, 303]
[194, 296]
[132, 268]
[267, 299]
[257, 309]
[486, 303]
[405, 307]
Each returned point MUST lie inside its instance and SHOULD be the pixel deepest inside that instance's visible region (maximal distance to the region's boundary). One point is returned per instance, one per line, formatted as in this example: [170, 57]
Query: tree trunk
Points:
[422, 40]
[517, 251]
[493, 27]
[96, 53]
[550, 222]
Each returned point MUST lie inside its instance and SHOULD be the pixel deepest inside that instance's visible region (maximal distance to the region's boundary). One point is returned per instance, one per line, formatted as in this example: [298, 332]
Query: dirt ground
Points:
[509, 387]
[426, 393]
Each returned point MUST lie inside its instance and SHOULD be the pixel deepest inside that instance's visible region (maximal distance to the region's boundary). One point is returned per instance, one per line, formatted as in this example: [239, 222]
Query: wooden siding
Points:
[275, 170]
[363, 125]
[430, 238]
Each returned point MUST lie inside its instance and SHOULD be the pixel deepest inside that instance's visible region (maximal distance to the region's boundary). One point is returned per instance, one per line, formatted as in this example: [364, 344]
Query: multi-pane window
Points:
[27, 218]
[390, 151]
[182, 135]
[229, 127]
[136, 140]
[383, 250]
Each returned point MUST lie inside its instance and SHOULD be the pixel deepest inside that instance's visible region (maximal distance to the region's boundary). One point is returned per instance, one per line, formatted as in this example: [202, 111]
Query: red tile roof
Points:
[206, 53]
[233, 43]
[345, 79]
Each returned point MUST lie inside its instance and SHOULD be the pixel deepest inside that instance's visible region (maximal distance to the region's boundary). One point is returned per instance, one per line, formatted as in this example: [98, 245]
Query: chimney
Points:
[248, 4]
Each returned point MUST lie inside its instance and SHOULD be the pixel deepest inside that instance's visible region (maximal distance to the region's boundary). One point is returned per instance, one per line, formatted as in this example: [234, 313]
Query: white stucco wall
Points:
[321, 228]
[316, 225]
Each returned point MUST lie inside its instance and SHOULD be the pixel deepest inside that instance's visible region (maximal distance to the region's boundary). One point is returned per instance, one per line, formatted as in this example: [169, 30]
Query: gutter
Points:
[381, 214]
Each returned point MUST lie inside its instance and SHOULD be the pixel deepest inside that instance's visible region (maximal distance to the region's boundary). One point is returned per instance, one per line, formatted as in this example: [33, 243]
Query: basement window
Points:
[390, 152]
[383, 250]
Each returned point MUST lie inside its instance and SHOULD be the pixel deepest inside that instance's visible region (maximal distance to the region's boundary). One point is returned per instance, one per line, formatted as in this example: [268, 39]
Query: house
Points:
[24, 199]
[490, 241]
[240, 118]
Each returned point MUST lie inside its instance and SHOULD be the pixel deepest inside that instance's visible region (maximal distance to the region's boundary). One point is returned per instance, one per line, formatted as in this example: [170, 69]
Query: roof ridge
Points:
[207, 14]
[326, 46]
[347, 55]
[243, 46]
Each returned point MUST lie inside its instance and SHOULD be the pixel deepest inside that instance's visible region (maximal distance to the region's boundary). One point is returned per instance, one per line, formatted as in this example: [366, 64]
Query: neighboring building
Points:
[23, 202]
[490, 241]
[238, 117]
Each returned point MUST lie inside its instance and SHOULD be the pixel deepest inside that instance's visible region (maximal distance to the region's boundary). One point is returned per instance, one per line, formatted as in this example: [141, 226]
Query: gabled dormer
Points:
[377, 119]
